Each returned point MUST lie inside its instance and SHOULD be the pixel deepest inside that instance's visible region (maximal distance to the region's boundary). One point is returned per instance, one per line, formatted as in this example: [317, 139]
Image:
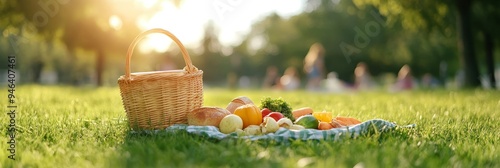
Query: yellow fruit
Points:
[250, 114]
[323, 116]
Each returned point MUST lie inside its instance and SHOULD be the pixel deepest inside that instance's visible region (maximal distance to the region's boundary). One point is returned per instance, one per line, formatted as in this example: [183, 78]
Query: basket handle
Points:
[189, 66]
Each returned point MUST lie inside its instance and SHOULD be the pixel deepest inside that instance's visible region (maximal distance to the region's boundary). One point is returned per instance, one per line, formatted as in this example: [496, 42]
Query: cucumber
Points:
[308, 121]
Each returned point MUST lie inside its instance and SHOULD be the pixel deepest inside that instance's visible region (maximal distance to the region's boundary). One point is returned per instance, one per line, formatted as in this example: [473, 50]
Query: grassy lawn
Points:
[86, 127]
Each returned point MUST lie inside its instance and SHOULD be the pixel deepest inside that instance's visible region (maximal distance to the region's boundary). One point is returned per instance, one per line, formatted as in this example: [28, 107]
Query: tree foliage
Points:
[350, 35]
[79, 25]
[76, 39]
[464, 17]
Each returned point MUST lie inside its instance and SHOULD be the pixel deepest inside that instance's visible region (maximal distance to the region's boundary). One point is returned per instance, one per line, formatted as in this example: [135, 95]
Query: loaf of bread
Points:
[237, 102]
[206, 116]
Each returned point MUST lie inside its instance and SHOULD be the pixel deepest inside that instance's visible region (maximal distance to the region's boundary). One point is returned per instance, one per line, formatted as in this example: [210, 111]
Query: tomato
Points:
[276, 115]
[250, 114]
[265, 112]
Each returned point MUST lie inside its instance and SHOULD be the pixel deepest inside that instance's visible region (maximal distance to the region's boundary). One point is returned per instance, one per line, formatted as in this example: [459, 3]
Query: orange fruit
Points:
[250, 114]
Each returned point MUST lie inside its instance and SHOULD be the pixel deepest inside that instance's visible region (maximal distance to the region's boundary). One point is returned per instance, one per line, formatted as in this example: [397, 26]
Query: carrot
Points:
[325, 126]
[302, 111]
[337, 124]
[346, 121]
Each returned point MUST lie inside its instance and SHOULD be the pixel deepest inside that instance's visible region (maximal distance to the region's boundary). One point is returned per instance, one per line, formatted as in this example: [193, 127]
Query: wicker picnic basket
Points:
[158, 99]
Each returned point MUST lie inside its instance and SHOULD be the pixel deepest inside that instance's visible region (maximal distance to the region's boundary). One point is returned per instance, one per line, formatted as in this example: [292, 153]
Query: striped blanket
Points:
[365, 128]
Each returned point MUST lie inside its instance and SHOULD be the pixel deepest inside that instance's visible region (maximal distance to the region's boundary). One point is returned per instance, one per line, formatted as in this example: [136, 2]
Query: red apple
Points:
[265, 112]
[276, 115]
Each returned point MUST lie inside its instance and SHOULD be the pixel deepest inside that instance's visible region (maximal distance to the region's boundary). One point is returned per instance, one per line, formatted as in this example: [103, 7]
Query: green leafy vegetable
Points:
[277, 105]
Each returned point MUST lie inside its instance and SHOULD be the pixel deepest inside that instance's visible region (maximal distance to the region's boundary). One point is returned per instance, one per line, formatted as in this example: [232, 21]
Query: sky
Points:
[232, 18]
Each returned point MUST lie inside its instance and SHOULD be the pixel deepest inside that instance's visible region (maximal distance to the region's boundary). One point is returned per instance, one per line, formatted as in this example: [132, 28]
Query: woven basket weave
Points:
[158, 99]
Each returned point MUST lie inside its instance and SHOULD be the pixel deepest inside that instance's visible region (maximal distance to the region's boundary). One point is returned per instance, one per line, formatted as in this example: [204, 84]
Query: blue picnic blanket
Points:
[364, 128]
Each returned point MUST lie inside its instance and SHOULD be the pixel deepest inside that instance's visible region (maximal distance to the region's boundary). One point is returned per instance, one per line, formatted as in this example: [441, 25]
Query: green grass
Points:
[86, 127]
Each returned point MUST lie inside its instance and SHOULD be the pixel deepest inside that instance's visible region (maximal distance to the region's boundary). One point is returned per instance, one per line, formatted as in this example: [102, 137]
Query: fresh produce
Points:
[297, 127]
[325, 125]
[265, 112]
[276, 115]
[323, 116]
[278, 105]
[253, 130]
[230, 123]
[338, 122]
[269, 125]
[285, 123]
[302, 111]
[308, 121]
[237, 102]
[347, 120]
[240, 132]
[250, 114]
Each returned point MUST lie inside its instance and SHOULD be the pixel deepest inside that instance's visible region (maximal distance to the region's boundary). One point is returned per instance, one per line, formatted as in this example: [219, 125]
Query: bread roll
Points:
[206, 116]
[302, 111]
[237, 102]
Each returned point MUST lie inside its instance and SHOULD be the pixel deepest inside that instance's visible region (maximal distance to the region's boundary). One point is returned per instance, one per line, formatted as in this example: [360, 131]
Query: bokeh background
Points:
[235, 42]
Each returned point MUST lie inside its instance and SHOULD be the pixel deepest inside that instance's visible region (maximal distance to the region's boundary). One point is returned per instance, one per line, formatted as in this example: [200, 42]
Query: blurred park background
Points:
[445, 43]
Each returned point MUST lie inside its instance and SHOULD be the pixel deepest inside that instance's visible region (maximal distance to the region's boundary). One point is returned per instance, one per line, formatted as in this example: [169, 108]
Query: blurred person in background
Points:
[290, 79]
[363, 79]
[314, 66]
[334, 84]
[272, 79]
[405, 79]
[429, 81]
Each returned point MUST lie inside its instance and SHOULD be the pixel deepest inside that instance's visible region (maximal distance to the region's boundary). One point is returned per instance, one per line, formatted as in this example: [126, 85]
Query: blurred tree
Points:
[466, 43]
[215, 65]
[285, 42]
[485, 18]
[436, 15]
[103, 27]
[350, 35]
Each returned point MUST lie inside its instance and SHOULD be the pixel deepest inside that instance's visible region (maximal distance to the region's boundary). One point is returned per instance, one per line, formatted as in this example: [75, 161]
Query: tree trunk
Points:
[99, 67]
[466, 45]
[490, 63]
[37, 68]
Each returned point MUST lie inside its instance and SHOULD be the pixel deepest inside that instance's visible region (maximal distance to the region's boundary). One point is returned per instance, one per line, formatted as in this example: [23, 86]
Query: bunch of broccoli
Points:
[277, 105]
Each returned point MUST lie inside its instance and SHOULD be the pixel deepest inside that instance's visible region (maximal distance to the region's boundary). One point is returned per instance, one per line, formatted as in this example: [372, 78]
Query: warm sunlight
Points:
[178, 20]
[148, 3]
[187, 20]
[115, 22]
